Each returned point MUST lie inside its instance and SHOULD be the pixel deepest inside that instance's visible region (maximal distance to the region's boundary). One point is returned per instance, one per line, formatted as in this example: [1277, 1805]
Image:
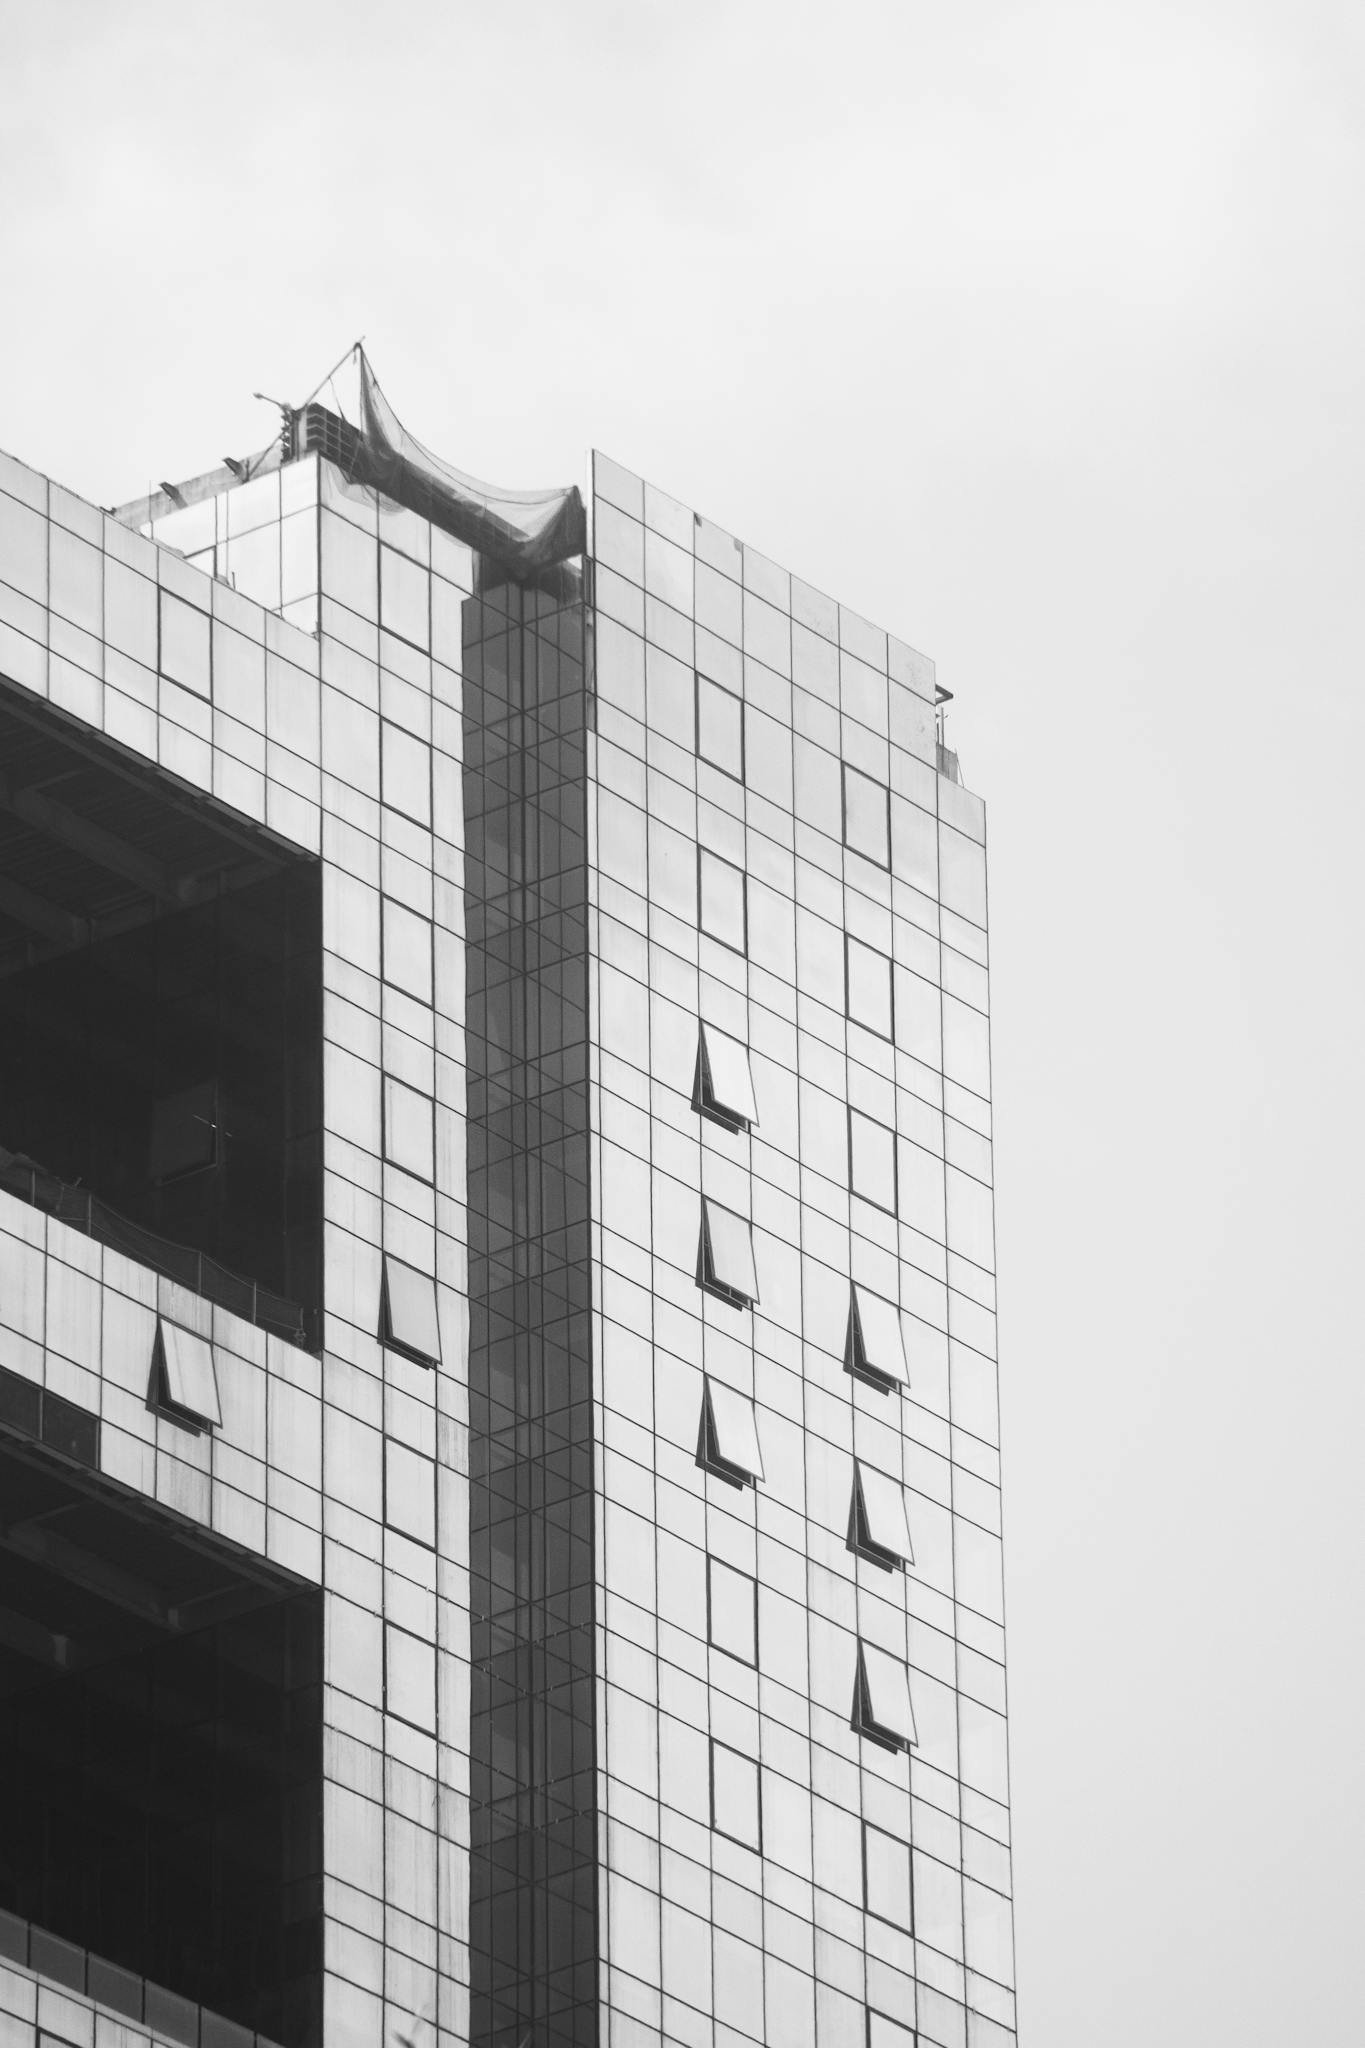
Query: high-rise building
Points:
[499, 1474]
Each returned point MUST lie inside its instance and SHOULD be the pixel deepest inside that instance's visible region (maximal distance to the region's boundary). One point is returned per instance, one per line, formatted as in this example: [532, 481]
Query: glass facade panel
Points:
[408, 1320]
[730, 1433]
[188, 1383]
[867, 816]
[725, 1083]
[732, 1610]
[185, 644]
[720, 727]
[736, 1807]
[879, 1513]
[872, 1160]
[726, 1262]
[868, 987]
[882, 1698]
[886, 1877]
[722, 894]
[877, 1337]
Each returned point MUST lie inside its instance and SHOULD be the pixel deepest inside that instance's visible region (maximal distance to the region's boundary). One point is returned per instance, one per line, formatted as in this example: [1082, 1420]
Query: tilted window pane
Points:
[409, 1130]
[187, 1378]
[886, 1877]
[408, 1313]
[732, 1610]
[869, 987]
[407, 950]
[730, 1430]
[720, 727]
[727, 1084]
[722, 897]
[882, 1697]
[735, 1808]
[882, 1521]
[867, 816]
[878, 1337]
[872, 1160]
[184, 643]
[727, 1250]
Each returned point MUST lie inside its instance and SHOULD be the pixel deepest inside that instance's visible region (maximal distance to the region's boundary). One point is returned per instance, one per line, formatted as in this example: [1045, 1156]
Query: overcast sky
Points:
[1035, 333]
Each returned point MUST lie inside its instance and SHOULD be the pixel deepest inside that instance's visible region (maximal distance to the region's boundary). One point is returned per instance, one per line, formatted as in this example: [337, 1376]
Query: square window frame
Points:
[742, 778]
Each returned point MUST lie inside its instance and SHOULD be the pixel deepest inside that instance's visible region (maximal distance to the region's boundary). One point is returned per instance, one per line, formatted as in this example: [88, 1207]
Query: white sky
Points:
[1034, 332]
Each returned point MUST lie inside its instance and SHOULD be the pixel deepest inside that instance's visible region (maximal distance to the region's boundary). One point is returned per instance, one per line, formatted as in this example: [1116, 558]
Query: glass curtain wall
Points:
[533, 1819]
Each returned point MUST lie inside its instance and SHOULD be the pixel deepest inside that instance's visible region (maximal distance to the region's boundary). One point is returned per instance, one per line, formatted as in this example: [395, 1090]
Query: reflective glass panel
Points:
[189, 1382]
[886, 1877]
[726, 1083]
[880, 1512]
[720, 727]
[867, 816]
[882, 1706]
[184, 643]
[404, 597]
[878, 1337]
[730, 1431]
[872, 1160]
[727, 1252]
[721, 891]
[409, 1139]
[407, 950]
[409, 1492]
[735, 1806]
[408, 1321]
[885, 2033]
[410, 1678]
[869, 987]
[732, 1610]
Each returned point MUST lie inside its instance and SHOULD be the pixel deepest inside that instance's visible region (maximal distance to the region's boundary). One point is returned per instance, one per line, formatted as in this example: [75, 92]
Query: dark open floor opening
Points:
[160, 1020]
[160, 1762]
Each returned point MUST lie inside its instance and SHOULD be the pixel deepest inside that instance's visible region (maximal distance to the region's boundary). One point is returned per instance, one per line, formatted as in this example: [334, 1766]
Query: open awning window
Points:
[724, 1085]
[880, 1524]
[876, 1339]
[728, 1443]
[725, 1263]
[184, 1383]
[408, 1320]
[881, 1698]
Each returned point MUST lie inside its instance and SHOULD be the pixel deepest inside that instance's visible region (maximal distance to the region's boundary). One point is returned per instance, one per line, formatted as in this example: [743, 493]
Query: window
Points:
[404, 598]
[876, 1341]
[872, 1160]
[185, 653]
[410, 1492]
[867, 816]
[184, 1384]
[409, 1128]
[722, 895]
[886, 1878]
[727, 1443]
[725, 1256]
[409, 1678]
[731, 1611]
[720, 727]
[867, 987]
[407, 1313]
[405, 772]
[877, 1525]
[881, 1699]
[736, 1806]
[885, 2033]
[406, 941]
[724, 1086]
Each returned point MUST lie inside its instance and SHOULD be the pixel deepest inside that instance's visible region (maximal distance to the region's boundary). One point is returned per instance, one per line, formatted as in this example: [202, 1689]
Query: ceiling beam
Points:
[58, 822]
[30, 1639]
[41, 1544]
[38, 914]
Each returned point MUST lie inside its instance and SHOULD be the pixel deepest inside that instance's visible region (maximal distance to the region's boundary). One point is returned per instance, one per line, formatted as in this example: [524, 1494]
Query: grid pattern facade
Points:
[643, 1456]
